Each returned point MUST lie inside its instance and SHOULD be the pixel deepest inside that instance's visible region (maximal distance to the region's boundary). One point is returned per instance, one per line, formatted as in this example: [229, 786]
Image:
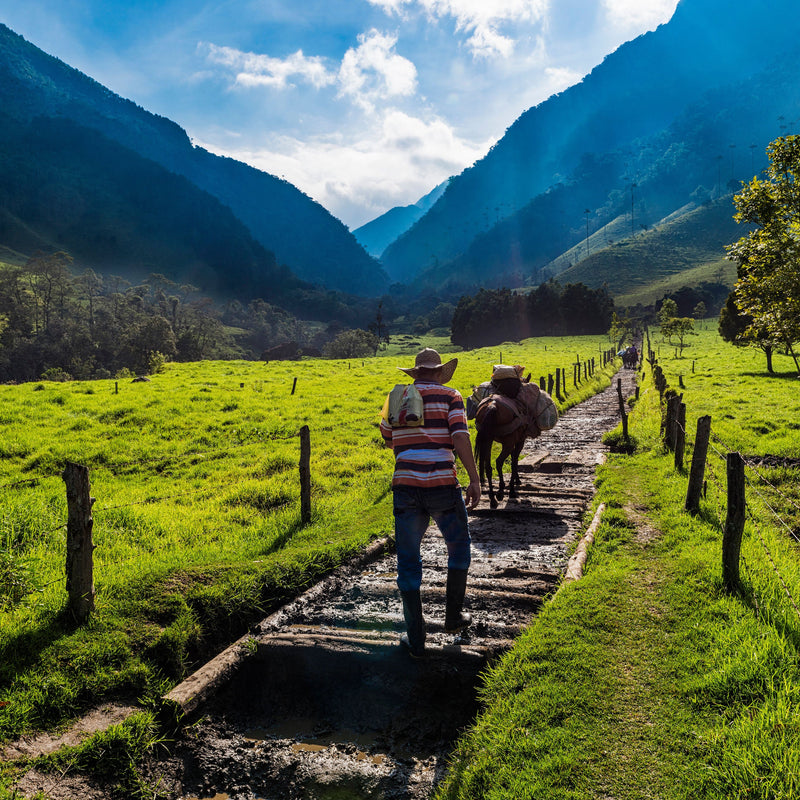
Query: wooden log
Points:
[80, 547]
[680, 436]
[305, 475]
[734, 522]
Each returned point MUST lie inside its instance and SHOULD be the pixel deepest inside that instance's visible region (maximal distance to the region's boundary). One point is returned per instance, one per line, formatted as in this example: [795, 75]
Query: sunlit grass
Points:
[196, 516]
[647, 678]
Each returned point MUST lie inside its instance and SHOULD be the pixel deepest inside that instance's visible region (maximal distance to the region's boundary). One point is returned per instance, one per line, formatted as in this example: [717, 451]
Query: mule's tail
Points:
[483, 442]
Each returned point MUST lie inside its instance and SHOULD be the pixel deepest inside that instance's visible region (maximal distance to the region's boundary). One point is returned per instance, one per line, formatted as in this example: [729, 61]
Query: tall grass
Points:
[647, 678]
[196, 520]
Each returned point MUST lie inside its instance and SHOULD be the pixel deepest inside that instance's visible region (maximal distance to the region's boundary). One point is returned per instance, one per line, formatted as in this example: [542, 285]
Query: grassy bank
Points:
[646, 678]
[196, 520]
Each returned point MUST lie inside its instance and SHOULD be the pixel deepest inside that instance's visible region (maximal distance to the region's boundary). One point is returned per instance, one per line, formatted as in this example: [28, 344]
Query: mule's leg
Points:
[483, 450]
[516, 481]
[488, 468]
[501, 459]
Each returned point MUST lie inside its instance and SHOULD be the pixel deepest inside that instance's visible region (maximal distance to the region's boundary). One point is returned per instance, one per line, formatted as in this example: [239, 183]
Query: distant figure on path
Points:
[425, 486]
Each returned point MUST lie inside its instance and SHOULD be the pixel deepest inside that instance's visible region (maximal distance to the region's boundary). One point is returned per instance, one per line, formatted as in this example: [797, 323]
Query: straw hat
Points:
[430, 359]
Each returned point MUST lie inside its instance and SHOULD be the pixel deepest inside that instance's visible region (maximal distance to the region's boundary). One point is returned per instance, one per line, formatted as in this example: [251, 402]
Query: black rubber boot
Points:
[454, 620]
[414, 639]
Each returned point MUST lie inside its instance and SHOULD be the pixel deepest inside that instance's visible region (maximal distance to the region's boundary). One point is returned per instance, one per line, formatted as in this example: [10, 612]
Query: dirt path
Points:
[329, 705]
[323, 702]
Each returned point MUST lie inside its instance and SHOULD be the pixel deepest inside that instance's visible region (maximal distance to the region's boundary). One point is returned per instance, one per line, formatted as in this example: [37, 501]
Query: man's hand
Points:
[473, 494]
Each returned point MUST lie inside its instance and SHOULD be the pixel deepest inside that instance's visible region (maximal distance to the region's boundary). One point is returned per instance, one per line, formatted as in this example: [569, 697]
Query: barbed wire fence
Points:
[732, 490]
[78, 572]
[81, 509]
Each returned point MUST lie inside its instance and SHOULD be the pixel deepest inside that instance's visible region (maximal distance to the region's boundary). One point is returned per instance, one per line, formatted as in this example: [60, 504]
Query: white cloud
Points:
[560, 78]
[395, 162]
[391, 6]
[368, 73]
[638, 14]
[373, 71]
[481, 20]
[253, 69]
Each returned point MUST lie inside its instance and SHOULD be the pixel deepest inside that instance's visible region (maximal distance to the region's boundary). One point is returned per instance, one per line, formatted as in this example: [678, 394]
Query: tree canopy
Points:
[767, 291]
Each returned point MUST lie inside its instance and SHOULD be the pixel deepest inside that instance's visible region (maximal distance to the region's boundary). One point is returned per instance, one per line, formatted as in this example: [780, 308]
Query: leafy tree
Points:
[699, 312]
[768, 287]
[352, 344]
[620, 330]
[678, 328]
[737, 328]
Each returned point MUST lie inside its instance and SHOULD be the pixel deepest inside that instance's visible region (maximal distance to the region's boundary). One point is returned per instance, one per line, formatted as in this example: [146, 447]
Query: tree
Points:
[736, 328]
[352, 344]
[768, 287]
[673, 326]
[699, 312]
[620, 330]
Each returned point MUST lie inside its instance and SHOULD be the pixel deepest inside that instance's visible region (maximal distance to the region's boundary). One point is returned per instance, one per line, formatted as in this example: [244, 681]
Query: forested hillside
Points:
[671, 119]
[302, 235]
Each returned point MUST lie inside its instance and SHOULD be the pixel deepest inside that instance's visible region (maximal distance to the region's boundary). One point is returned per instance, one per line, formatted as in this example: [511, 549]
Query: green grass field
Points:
[646, 679]
[196, 520]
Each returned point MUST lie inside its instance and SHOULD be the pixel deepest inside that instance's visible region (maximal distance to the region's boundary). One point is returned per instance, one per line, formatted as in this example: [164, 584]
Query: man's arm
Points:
[463, 448]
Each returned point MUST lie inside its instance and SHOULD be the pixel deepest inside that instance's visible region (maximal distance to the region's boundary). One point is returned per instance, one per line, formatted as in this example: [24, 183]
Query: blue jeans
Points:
[413, 509]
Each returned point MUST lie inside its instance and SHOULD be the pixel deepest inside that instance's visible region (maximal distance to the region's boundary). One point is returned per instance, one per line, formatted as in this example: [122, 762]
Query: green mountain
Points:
[67, 187]
[667, 123]
[37, 90]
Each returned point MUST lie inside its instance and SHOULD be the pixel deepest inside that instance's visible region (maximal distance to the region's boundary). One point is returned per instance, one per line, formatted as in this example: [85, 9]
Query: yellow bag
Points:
[403, 407]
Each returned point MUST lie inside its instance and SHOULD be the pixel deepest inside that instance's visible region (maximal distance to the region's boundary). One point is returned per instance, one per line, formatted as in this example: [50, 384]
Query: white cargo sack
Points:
[403, 407]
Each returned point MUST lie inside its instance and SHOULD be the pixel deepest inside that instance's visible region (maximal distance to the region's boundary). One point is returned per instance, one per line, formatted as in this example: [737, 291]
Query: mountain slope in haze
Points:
[66, 187]
[696, 237]
[671, 113]
[300, 232]
[375, 236]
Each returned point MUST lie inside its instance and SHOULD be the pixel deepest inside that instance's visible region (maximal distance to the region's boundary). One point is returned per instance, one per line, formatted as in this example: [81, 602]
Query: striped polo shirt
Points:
[424, 455]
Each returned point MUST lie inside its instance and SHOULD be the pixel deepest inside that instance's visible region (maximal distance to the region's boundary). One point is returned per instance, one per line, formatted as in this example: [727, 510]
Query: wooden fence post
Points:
[294, 384]
[558, 383]
[734, 522]
[305, 475]
[680, 436]
[550, 383]
[669, 422]
[623, 414]
[80, 547]
[698, 469]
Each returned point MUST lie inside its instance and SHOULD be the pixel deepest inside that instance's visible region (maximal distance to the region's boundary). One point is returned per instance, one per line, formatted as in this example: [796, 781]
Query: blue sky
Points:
[362, 104]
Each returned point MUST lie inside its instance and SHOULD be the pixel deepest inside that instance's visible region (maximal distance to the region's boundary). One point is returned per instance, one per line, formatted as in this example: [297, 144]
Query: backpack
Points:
[403, 407]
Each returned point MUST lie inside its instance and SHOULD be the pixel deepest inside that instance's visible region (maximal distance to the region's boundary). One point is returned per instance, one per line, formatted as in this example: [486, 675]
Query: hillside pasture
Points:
[196, 521]
[647, 678]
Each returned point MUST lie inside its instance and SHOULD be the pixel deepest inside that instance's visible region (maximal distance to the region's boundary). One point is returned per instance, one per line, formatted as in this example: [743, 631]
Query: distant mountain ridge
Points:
[375, 236]
[672, 114]
[305, 237]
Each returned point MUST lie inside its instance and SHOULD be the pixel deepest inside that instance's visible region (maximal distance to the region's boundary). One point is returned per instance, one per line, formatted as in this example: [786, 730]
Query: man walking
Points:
[425, 486]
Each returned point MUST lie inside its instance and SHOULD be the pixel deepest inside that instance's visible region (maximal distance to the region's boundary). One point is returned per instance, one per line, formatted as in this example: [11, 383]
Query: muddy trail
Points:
[322, 702]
